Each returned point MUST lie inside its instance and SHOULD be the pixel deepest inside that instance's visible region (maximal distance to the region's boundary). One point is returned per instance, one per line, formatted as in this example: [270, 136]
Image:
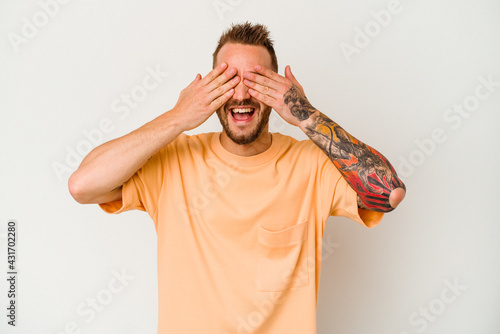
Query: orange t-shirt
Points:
[239, 238]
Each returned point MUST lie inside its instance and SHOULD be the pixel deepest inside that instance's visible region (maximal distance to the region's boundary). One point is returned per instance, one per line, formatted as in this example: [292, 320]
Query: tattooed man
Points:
[240, 213]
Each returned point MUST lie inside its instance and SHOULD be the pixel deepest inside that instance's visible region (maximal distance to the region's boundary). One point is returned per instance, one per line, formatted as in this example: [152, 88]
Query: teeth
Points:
[242, 110]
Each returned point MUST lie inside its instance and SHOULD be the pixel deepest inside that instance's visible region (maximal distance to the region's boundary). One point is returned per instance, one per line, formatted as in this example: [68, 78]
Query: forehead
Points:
[244, 57]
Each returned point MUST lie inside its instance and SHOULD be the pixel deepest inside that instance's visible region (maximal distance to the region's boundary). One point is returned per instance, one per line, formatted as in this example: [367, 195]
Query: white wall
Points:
[393, 92]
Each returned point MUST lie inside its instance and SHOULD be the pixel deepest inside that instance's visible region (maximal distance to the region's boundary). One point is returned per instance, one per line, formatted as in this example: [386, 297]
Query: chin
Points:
[245, 139]
[248, 135]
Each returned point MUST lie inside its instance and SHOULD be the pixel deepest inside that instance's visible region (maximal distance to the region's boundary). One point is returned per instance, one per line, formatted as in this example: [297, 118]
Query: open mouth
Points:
[242, 115]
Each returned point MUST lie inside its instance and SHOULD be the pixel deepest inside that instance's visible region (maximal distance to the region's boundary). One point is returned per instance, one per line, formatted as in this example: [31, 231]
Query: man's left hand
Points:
[283, 94]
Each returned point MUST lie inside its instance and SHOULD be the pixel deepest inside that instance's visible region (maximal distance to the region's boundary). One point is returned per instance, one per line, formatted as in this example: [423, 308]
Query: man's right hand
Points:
[198, 101]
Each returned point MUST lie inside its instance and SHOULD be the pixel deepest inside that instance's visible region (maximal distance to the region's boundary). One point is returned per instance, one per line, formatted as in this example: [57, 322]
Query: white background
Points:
[65, 76]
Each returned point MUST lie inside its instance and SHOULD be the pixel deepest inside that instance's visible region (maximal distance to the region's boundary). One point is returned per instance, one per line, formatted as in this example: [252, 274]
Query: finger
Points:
[213, 74]
[219, 102]
[266, 99]
[269, 73]
[289, 75]
[262, 80]
[261, 88]
[221, 79]
[197, 78]
[221, 90]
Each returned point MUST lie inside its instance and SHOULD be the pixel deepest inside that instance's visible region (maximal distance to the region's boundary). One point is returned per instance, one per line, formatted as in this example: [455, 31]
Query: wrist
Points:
[173, 120]
[167, 126]
[308, 122]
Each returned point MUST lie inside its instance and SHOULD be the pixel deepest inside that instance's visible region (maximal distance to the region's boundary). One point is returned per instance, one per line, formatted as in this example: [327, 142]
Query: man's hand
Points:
[198, 101]
[283, 94]
[366, 170]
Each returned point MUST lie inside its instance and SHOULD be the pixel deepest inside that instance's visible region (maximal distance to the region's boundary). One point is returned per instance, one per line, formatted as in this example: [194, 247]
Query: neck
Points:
[259, 145]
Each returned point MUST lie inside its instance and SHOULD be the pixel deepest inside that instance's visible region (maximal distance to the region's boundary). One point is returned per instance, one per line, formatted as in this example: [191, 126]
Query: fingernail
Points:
[223, 65]
[258, 67]
[247, 75]
[232, 71]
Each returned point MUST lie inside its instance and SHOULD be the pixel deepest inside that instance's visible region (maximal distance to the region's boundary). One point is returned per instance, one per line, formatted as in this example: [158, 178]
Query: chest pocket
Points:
[282, 261]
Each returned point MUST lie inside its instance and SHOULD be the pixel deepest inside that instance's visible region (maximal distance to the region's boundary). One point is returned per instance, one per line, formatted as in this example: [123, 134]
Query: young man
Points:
[240, 214]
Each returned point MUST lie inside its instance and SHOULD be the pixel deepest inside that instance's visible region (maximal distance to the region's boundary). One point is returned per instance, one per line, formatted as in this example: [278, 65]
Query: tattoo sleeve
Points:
[366, 170]
[298, 104]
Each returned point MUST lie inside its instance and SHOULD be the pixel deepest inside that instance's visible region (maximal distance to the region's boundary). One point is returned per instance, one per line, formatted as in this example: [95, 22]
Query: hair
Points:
[248, 34]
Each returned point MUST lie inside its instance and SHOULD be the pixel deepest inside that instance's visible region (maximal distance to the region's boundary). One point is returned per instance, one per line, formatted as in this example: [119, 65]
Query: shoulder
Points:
[291, 145]
[185, 142]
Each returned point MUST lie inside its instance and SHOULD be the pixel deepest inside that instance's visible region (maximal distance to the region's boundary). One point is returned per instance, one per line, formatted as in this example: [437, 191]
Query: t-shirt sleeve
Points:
[338, 197]
[142, 190]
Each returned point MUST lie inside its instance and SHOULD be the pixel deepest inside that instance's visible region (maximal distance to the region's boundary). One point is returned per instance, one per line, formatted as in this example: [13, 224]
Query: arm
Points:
[367, 171]
[101, 174]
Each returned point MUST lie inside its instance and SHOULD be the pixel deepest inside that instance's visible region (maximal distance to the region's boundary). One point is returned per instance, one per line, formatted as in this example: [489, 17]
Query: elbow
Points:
[396, 197]
[77, 189]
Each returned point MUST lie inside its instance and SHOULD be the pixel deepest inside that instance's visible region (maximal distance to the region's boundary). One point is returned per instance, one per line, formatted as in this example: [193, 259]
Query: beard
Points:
[244, 139]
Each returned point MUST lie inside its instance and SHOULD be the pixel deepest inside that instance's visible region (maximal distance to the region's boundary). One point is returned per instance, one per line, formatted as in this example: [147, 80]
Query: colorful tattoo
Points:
[366, 170]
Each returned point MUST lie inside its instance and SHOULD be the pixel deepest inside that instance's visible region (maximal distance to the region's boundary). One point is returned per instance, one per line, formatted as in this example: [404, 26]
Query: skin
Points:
[366, 170]
[101, 174]
[244, 58]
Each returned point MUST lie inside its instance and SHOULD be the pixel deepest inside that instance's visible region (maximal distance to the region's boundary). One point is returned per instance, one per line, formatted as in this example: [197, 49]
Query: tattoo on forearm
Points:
[360, 203]
[366, 170]
[298, 103]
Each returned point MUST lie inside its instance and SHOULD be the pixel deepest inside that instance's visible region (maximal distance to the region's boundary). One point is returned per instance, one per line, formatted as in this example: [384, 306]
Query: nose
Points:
[241, 91]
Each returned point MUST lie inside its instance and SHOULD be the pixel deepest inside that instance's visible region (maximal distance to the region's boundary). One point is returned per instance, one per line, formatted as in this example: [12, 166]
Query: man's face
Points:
[243, 117]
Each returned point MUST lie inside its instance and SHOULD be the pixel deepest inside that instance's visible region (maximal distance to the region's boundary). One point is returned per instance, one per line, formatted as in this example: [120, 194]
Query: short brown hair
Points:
[248, 34]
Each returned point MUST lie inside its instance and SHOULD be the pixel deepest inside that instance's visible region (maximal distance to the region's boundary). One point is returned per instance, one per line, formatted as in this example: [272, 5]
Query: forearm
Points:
[365, 169]
[104, 170]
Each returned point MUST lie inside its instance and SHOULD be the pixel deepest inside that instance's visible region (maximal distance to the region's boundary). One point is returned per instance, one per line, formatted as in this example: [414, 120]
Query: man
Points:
[240, 214]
